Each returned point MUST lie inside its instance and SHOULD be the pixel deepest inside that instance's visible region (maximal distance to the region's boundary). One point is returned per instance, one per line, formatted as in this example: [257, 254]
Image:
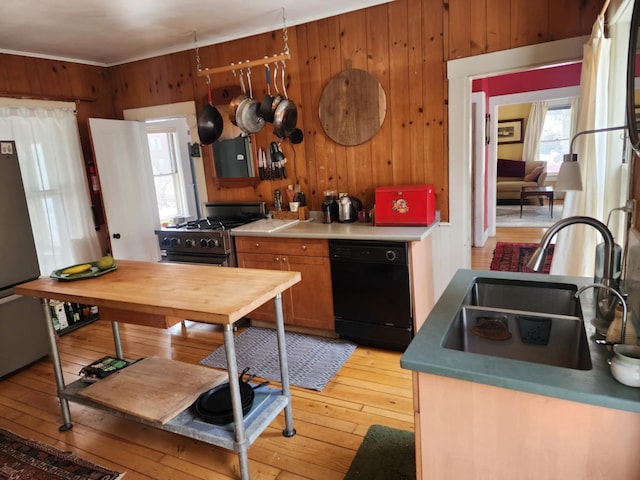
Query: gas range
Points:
[208, 240]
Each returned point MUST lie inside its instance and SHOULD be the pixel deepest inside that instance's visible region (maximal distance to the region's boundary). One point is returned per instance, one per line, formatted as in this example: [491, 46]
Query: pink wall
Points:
[540, 79]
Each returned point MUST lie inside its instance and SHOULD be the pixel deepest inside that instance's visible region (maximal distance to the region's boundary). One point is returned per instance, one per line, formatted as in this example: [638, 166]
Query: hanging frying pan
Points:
[264, 110]
[275, 101]
[214, 406]
[210, 123]
[235, 103]
[285, 115]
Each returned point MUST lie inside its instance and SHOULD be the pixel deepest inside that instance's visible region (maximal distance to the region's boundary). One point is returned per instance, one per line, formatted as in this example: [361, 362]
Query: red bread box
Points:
[405, 205]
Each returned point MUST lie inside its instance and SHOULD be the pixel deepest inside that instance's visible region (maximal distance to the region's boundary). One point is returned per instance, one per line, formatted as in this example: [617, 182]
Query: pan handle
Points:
[275, 78]
[284, 86]
[268, 78]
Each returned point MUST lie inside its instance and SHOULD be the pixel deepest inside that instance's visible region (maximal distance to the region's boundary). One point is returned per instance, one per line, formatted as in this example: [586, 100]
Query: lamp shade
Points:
[569, 176]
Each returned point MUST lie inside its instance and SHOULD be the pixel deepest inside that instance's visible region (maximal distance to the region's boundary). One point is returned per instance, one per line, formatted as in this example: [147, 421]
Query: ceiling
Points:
[110, 32]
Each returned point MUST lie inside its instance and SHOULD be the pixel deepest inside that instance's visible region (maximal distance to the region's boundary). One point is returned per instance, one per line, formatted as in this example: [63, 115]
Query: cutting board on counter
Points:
[154, 389]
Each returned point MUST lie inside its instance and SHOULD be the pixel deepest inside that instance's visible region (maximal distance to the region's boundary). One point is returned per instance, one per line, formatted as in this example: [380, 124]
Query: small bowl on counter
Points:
[625, 364]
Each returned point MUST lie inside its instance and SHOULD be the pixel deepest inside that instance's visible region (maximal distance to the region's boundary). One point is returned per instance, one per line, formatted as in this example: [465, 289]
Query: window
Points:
[53, 174]
[556, 137]
[167, 174]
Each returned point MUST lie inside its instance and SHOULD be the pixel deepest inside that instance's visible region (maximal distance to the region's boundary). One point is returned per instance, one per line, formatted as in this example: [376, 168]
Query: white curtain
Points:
[591, 149]
[533, 132]
[57, 193]
[575, 103]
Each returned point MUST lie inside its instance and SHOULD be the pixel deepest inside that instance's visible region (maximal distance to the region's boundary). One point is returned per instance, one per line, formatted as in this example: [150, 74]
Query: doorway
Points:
[453, 249]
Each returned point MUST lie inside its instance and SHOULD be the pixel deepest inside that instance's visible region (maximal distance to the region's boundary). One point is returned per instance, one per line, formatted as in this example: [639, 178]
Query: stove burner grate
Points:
[220, 223]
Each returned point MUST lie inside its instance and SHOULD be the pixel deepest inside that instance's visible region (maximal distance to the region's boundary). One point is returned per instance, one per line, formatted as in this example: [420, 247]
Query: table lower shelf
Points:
[268, 403]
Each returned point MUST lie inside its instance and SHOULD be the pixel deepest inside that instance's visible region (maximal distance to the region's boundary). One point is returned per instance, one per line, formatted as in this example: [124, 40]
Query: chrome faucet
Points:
[606, 301]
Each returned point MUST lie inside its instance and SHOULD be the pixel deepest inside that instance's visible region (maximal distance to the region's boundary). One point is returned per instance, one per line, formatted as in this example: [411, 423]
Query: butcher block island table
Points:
[160, 295]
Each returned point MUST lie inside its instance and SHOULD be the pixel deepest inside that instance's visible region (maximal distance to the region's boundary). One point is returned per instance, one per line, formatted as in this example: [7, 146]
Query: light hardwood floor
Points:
[371, 388]
[481, 257]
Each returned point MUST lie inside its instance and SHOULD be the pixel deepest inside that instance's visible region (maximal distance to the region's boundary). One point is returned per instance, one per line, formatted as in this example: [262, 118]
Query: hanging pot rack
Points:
[247, 64]
[280, 57]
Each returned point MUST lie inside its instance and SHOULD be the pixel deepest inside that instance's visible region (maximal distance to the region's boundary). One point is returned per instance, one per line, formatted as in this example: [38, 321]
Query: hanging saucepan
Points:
[214, 406]
[247, 117]
[264, 110]
[235, 103]
[278, 98]
[285, 116]
[210, 121]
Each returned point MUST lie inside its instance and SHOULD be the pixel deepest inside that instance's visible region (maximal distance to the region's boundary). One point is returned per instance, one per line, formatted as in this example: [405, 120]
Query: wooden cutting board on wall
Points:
[353, 106]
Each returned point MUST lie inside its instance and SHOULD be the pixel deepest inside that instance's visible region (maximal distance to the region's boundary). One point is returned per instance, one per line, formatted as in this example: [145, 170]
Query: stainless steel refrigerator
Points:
[23, 333]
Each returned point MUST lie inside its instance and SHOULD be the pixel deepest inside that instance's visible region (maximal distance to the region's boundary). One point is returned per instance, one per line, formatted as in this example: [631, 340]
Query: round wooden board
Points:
[352, 107]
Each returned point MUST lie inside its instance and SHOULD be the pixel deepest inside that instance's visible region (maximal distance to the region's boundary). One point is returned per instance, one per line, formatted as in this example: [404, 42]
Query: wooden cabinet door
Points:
[311, 299]
[260, 261]
[308, 303]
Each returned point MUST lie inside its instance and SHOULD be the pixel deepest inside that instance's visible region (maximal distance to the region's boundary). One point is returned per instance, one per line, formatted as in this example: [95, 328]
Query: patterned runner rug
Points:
[312, 361]
[513, 257]
[23, 459]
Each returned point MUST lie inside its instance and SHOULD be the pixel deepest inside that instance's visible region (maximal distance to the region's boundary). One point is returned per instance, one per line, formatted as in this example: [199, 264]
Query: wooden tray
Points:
[301, 214]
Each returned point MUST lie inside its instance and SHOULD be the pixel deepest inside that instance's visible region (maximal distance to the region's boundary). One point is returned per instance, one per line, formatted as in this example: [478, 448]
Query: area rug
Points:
[23, 459]
[312, 361]
[513, 257]
[536, 216]
[386, 453]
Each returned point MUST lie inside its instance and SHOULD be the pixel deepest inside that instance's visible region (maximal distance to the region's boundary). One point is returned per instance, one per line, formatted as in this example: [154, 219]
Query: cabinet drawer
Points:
[283, 246]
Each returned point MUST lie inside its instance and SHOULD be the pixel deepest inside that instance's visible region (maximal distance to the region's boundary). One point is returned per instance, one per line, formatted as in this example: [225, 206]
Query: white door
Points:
[122, 155]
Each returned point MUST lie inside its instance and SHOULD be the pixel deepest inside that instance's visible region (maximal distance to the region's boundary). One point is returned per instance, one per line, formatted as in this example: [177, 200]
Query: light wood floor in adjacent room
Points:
[370, 389]
[481, 257]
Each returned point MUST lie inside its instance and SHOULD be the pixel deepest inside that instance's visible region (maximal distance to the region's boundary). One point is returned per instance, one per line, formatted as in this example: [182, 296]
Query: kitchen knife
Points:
[267, 166]
[260, 164]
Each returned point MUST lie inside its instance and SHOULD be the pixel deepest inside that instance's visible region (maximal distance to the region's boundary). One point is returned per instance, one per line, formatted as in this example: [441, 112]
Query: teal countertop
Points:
[596, 386]
[314, 228]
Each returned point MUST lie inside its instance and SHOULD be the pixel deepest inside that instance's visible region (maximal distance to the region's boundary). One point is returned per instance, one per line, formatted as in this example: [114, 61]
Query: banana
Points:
[77, 269]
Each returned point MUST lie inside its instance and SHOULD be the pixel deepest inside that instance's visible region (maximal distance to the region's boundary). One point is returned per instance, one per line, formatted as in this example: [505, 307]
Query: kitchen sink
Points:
[534, 322]
[530, 296]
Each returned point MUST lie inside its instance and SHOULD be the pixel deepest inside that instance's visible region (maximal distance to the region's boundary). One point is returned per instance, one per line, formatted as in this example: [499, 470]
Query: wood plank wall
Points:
[405, 44]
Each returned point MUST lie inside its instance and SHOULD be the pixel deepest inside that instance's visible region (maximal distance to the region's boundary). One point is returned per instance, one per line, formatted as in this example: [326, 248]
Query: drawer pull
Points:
[257, 245]
[304, 247]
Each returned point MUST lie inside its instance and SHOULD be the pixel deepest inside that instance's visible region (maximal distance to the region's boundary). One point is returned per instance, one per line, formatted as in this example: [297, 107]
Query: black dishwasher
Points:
[372, 292]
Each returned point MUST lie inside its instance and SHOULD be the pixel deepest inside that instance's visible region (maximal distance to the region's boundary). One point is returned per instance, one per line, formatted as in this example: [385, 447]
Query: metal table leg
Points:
[241, 442]
[115, 328]
[289, 431]
[57, 368]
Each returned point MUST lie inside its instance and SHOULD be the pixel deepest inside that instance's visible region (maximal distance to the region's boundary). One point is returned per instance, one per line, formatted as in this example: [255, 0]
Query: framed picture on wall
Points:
[511, 131]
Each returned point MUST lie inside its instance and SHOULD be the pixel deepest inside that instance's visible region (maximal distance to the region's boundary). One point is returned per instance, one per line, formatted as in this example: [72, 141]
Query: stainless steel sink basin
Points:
[535, 322]
[531, 296]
